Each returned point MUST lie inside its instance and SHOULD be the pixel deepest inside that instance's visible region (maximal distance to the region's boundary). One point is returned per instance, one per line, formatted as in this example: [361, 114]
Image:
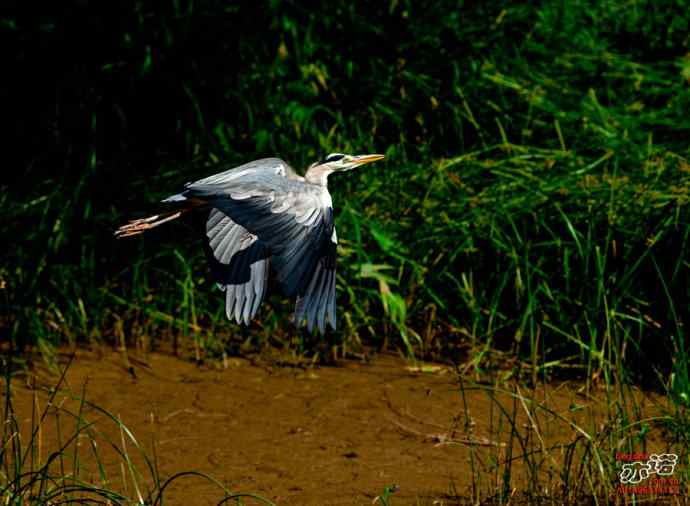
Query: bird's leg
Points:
[140, 226]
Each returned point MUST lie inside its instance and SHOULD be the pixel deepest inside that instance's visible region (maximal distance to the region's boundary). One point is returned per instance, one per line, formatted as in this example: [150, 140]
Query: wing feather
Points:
[317, 302]
[266, 215]
[331, 301]
[239, 263]
[294, 219]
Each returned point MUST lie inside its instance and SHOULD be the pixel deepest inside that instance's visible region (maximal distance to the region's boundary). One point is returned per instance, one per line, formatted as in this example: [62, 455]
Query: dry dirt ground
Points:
[321, 435]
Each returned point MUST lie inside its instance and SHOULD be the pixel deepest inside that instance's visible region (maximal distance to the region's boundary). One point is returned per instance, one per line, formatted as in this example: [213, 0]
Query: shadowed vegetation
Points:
[534, 196]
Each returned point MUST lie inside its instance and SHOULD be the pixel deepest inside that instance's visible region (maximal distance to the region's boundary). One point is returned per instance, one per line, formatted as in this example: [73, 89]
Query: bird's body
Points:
[264, 216]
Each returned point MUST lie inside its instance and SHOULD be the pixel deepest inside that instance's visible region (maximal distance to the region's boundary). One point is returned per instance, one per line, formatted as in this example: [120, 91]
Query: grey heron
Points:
[264, 215]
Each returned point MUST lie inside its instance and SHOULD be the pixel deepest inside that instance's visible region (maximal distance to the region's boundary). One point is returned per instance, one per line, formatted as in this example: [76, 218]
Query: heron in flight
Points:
[262, 215]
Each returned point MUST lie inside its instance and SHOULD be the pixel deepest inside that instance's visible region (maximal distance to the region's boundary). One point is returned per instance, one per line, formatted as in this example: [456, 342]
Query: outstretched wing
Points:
[272, 167]
[239, 263]
[294, 219]
[317, 303]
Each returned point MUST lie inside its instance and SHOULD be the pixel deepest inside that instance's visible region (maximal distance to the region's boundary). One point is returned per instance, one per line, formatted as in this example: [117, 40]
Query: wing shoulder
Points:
[246, 172]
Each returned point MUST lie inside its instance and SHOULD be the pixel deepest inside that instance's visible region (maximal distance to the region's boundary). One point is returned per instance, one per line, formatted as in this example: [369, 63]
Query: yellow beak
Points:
[362, 159]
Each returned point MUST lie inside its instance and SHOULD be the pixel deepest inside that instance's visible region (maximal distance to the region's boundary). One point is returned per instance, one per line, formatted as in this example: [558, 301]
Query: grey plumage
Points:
[239, 263]
[262, 216]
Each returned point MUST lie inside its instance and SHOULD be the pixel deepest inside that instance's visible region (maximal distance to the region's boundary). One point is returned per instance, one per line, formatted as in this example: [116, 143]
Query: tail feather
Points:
[172, 199]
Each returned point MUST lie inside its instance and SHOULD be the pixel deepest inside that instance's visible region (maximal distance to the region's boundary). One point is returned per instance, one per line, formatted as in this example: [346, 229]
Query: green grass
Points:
[536, 182]
[534, 198]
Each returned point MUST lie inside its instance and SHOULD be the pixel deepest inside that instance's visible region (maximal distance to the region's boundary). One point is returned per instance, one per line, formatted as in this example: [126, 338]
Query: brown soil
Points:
[326, 435]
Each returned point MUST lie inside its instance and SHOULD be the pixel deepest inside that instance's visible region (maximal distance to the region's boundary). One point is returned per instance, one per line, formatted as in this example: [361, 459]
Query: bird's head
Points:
[336, 162]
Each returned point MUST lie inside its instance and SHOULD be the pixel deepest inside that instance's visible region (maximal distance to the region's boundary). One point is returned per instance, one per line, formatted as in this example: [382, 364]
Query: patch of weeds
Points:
[65, 456]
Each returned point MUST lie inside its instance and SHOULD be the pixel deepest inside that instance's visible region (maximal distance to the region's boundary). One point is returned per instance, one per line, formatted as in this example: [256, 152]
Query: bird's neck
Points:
[318, 175]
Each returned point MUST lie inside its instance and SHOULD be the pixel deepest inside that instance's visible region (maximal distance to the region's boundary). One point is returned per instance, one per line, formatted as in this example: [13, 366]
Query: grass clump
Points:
[64, 455]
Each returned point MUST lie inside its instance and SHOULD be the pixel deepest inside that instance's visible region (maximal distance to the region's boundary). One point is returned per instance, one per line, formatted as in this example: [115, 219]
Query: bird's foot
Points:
[141, 225]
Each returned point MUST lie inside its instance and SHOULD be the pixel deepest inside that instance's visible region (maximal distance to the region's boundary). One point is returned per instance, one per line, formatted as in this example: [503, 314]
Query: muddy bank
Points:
[325, 435]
